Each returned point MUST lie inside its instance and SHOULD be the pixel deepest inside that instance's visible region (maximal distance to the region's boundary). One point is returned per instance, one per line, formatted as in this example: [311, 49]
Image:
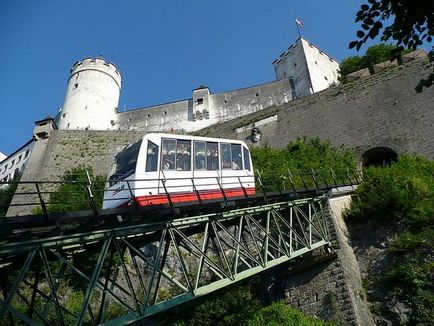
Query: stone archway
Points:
[379, 156]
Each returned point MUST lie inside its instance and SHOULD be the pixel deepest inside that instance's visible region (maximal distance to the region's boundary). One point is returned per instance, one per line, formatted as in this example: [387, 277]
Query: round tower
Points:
[92, 96]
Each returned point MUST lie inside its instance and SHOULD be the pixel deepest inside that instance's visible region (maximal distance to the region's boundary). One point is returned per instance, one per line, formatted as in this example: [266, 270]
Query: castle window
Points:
[316, 62]
[165, 112]
[63, 115]
[200, 101]
[256, 94]
[148, 115]
[295, 65]
[225, 101]
[27, 153]
[326, 78]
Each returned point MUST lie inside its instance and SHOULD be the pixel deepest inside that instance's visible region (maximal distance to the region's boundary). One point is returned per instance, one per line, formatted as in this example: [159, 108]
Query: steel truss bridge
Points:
[125, 266]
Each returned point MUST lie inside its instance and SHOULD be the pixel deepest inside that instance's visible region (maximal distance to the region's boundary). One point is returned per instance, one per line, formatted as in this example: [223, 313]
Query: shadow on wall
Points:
[379, 156]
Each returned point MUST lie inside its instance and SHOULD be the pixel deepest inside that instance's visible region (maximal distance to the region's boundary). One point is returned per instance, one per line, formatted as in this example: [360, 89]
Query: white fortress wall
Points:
[161, 117]
[92, 96]
[292, 64]
[323, 69]
[206, 109]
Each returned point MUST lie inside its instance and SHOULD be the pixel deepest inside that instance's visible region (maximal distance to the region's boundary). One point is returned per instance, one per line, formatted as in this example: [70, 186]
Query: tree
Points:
[374, 54]
[7, 194]
[72, 194]
[351, 64]
[411, 24]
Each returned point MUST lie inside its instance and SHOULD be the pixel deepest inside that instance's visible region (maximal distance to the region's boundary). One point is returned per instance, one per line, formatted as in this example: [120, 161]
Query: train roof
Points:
[184, 136]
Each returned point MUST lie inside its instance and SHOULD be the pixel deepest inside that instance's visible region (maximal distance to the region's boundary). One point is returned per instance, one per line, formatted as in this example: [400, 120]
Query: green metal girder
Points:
[273, 240]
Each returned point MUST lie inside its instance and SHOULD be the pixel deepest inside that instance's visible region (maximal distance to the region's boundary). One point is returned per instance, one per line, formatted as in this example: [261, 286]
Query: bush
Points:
[300, 158]
[280, 314]
[72, 193]
[6, 196]
[233, 306]
[403, 194]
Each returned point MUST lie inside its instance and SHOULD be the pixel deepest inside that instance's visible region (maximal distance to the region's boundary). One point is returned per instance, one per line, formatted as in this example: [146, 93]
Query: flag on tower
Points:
[299, 22]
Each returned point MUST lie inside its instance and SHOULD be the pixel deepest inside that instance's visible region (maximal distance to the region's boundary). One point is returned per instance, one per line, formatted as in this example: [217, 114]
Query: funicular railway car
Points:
[166, 169]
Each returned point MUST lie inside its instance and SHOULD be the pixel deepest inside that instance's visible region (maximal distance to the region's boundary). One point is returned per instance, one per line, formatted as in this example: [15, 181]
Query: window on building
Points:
[200, 100]
[27, 153]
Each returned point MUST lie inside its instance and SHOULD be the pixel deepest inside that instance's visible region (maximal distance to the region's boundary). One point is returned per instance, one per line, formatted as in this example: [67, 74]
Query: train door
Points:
[232, 168]
[207, 169]
[248, 177]
[176, 168]
[147, 181]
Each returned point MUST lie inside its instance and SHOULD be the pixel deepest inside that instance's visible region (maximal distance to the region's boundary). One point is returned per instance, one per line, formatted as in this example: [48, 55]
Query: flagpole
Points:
[298, 27]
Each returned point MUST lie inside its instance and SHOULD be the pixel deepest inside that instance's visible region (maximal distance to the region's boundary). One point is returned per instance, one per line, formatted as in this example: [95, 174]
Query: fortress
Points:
[380, 116]
[94, 86]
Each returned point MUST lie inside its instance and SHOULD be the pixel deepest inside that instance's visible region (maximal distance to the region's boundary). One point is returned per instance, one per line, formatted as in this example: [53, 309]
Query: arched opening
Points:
[379, 156]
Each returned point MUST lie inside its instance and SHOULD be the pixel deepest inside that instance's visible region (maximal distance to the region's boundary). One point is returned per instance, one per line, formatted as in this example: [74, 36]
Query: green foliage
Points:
[72, 194]
[408, 23]
[374, 54]
[233, 307]
[351, 64]
[240, 305]
[280, 314]
[6, 196]
[301, 157]
[403, 194]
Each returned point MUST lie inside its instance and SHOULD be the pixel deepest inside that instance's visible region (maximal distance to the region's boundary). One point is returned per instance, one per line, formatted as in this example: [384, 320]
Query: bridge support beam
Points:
[126, 273]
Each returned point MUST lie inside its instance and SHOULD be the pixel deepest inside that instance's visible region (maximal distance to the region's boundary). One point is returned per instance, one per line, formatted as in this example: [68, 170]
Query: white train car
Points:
[166, 168]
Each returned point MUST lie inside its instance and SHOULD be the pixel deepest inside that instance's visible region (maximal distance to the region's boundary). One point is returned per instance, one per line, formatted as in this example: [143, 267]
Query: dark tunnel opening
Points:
[379, 156]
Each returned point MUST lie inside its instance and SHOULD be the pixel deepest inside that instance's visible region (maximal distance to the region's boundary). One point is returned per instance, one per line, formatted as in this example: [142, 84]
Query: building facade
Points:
[94, 85]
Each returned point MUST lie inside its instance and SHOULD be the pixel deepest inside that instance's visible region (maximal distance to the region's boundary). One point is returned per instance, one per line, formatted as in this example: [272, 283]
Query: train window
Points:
[237, 163]
[212, 156]
[152, 157]
[168, 151]
[125, 162]
[226, 156]
[183, 155]
[246, 158]
[199, 155]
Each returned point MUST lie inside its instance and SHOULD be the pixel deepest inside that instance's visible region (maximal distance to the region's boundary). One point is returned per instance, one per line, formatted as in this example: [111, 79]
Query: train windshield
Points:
[125, 163]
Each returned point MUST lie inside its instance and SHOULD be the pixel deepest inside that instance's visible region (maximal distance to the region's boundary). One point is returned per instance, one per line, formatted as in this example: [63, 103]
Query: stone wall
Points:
[64, 150]
[332, 290]
[381, 110]
[221, 107]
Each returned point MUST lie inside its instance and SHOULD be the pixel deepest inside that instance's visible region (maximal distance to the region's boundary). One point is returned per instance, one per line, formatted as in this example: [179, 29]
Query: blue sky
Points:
[163, 49]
